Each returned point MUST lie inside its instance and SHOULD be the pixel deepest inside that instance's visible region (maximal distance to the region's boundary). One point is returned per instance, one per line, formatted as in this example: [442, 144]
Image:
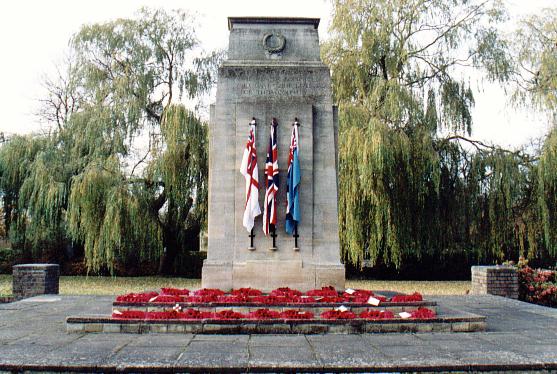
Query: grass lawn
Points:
[5, 285]
[423, 287]
[121, 285]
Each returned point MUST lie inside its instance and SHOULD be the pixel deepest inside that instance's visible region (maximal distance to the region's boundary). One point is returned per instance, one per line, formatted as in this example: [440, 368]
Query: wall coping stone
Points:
[273, 21]
[35, 266]
[494, 267]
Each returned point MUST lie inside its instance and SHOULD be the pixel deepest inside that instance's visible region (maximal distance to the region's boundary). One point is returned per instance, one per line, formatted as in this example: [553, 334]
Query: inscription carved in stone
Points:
[278, 83]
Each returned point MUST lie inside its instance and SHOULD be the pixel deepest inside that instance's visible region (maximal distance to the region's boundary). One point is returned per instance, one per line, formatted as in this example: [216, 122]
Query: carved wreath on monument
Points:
[274, 43]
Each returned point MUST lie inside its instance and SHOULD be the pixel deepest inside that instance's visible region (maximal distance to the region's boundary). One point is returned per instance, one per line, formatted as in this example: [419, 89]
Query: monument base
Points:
[250, 312]
[267, 275]
[448, 323]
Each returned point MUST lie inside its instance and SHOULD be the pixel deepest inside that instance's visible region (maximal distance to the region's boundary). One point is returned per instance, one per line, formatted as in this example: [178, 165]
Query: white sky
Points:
[34, 36]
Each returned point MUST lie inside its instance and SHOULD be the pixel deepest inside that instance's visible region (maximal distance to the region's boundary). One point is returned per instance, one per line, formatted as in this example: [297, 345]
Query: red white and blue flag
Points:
[249, 170]
[272, 175]
[293, 214]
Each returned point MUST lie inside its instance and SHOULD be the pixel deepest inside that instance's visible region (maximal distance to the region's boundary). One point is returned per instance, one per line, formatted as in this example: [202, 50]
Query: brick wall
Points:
[495, 280]
[35, 279]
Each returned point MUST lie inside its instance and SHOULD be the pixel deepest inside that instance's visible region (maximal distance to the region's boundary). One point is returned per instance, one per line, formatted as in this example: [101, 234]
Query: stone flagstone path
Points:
[520, 336]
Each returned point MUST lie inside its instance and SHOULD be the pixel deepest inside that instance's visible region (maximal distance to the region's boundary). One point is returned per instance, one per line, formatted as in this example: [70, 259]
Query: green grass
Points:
[5, 285]
[423, 287]
[121, 285]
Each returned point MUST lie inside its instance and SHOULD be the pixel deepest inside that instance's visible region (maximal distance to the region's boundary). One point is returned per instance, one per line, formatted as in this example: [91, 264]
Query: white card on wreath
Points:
[341, 308]
[404, 315]
[373, 301]
[350, 291]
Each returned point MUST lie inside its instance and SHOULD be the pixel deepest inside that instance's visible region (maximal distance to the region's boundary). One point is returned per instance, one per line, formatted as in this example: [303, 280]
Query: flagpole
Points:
[274, 236]
[296, 248]
[251, 236]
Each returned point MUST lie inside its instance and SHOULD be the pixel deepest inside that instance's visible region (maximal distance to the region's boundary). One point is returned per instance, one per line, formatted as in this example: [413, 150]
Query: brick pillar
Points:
[495, 280]
[35, 279]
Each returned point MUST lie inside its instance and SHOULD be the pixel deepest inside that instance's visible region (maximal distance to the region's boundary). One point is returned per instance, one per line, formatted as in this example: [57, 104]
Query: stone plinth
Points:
[495, 280]
[273, 70]
[35, 279]
[448, 324]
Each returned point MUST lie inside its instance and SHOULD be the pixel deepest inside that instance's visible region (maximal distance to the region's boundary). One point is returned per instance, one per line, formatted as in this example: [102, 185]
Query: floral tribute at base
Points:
[279, 296]
[266, 314]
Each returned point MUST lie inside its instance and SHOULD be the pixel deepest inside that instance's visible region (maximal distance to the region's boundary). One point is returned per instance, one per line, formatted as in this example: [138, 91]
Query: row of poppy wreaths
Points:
[266, 314]
[282, 295]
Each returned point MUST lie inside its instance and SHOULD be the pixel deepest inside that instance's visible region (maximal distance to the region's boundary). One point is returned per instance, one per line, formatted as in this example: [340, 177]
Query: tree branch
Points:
[481, 146]
[452, 27]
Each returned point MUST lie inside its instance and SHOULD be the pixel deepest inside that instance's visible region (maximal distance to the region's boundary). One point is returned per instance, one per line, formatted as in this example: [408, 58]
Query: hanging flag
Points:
[249, 170]
[272, 174]
[293, 215]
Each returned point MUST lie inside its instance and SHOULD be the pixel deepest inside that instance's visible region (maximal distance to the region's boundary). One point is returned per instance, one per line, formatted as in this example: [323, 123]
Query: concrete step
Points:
[454, 321]
[316, 308]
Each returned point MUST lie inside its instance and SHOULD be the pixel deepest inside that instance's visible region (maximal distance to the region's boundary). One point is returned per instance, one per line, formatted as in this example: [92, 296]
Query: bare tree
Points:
[63, 95]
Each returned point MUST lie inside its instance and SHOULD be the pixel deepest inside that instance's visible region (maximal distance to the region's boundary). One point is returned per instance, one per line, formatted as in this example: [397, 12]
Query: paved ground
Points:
[520, 336]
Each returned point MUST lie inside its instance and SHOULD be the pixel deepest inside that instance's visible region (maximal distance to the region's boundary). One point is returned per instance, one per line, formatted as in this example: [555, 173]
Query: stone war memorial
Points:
[273, 263]
[272, 296]
[273, 71]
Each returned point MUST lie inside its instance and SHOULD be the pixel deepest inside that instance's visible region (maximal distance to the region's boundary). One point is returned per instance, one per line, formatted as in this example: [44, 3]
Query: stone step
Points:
[458, 322]
[316, 309]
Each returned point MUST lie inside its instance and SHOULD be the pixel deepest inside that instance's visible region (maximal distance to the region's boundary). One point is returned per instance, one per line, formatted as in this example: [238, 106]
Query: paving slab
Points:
[346, 355]
[379, 340]
[145, 357]
[520, 336]
[161, 340]
[411, 353]
[230, 339]
[278, 340]
[9, 334]
[213, 356]
[541, 353]
[281, 357]
[37, 338]
[463, 344]
[501, 358]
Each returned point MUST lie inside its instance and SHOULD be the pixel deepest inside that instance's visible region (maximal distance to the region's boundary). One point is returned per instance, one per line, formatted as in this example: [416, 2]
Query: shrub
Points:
[537, 286]
[6, 260]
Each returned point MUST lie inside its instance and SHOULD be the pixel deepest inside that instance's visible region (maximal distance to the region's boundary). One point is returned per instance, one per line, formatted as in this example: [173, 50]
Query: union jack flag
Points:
[272, 174]
[249, 170]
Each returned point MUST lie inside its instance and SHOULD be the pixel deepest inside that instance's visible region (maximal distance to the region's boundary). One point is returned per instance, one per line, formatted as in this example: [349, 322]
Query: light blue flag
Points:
[293, 216]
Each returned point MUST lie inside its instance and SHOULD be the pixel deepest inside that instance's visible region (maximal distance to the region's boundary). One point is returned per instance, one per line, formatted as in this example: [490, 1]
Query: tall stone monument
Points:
[273, 70]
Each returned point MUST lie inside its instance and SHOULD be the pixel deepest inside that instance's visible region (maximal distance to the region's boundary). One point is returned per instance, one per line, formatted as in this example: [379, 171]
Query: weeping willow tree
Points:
[522, 207]
[536, 86]
[123, 173]
[23, 161]
[535, 53]
[412, 181]
[183, 167]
